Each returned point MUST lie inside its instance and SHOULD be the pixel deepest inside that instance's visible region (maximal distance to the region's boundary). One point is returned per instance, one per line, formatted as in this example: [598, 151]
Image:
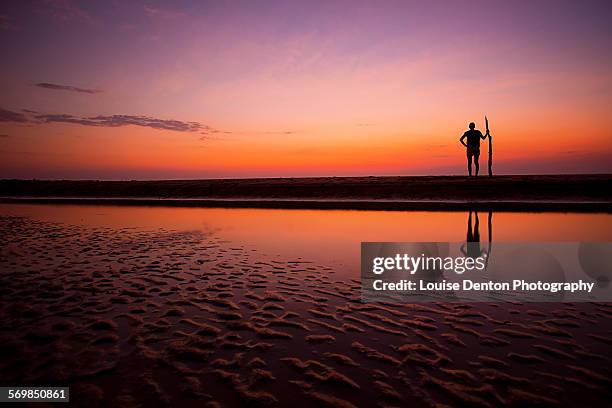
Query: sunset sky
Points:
[179, 89]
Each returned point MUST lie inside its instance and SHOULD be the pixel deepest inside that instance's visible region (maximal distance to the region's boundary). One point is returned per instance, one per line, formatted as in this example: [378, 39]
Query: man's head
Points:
[472, 125]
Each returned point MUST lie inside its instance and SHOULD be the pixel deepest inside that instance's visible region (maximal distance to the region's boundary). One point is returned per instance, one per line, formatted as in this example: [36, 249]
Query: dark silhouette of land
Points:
[499, 193]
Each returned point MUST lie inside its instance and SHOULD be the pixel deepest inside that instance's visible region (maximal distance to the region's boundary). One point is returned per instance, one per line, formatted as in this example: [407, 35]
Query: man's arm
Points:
[483, 136]
[461, 140]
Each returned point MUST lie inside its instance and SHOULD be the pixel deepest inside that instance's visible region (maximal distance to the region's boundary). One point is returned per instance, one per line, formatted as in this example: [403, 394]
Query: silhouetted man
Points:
[473, 137]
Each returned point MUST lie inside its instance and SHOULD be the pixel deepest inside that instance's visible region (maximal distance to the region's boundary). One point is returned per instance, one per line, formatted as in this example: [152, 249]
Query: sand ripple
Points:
[130, 317]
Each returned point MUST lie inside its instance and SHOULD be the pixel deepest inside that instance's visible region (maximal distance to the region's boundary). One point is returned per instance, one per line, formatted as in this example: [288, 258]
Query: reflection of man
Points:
[471, 248]
[473, 137]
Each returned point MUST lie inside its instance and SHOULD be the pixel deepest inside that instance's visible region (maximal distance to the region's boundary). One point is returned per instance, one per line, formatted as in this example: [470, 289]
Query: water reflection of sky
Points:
[331, 237]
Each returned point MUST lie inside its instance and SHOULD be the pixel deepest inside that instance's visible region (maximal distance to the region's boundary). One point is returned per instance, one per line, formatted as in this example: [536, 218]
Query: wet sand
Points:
[157, 316]
[592, 193]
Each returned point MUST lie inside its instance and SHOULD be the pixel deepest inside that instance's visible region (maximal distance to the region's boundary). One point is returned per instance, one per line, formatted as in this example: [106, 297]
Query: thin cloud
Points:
[110, 121]
[282, 132]
[10, 116]
[123, 120]
[162, 12]
[208, 138]
[207, 130]
[63, 10]
[70, 88]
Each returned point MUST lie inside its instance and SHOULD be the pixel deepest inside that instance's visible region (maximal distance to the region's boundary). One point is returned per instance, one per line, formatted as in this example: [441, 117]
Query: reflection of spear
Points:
[490, 148]
[490, 228]
[490, 239]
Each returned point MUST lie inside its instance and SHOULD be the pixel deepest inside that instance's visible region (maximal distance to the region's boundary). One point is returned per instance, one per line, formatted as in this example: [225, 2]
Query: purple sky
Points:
[227, 88]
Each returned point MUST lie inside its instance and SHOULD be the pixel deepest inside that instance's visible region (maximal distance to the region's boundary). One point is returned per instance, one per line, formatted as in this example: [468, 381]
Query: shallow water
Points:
[188, 306]
[329, 236]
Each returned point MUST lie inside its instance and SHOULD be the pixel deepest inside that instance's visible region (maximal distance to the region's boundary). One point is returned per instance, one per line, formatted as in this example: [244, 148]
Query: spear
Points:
[490, 148]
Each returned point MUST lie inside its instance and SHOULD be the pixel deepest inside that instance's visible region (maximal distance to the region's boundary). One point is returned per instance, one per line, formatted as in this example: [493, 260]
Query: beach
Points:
[305, 204]
[142, 306]
[583, 193]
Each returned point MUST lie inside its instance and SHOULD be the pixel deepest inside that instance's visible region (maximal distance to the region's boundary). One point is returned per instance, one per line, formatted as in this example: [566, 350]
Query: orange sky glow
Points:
[301, 89]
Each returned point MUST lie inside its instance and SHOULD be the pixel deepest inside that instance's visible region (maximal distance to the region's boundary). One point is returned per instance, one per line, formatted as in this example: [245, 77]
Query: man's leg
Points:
[470, 234]
[469, 157]
[476, 163]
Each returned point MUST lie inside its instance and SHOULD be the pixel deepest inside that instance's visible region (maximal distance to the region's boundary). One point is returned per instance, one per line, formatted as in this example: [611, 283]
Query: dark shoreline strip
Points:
[369, 205]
